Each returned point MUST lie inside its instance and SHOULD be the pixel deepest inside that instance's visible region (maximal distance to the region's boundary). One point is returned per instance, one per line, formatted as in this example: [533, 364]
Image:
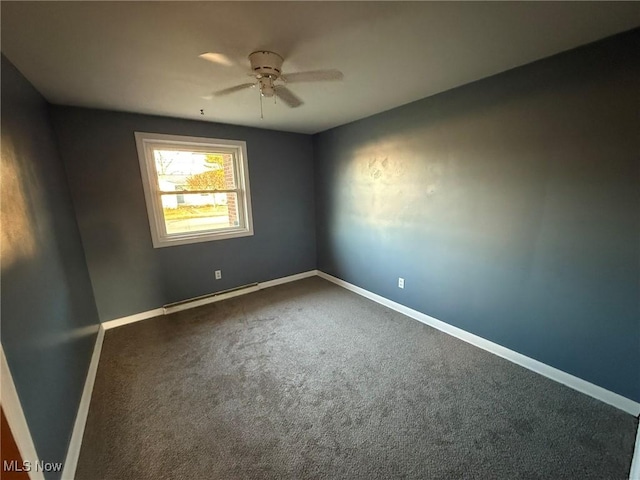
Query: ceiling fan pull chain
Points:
[261, 117]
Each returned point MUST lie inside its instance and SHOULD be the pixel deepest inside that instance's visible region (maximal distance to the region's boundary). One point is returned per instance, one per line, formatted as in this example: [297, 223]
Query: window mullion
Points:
[187, 192]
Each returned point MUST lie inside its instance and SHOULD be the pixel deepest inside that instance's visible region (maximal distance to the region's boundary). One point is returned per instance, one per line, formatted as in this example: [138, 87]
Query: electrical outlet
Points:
[400, 282]
[218, 274]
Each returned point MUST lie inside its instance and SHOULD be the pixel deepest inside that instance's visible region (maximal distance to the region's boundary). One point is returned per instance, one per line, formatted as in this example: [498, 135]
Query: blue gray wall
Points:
[49, 319]
[128, 275]
[511, 206]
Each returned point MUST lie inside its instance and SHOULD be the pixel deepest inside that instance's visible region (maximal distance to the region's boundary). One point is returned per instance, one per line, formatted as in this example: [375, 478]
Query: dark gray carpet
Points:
[310, 381]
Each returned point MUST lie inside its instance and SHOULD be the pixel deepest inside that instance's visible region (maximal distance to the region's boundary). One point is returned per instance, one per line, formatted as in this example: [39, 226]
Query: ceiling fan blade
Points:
[229, 90]
[218, 58]
[287, 96]
[313, 76]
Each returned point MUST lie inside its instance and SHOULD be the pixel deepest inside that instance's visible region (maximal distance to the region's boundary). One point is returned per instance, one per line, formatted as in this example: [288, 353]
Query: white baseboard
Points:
[290, 278]
[634, 474]
[567, 379]
[118, 322]
[73, 452]
[197, 302]
[15, 417]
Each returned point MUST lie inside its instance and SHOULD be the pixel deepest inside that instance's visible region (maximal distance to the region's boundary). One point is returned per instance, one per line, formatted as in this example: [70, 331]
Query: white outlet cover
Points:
[400, 282]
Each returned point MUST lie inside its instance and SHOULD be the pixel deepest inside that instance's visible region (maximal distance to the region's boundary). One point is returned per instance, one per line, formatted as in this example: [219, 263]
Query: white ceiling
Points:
[143, 56]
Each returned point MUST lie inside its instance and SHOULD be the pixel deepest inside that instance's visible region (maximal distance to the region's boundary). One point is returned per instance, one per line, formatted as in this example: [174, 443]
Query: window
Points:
[196, 189]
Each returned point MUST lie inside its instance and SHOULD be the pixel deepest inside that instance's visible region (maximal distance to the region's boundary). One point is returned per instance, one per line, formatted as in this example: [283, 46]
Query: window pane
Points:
[187, 170]
[195, 212]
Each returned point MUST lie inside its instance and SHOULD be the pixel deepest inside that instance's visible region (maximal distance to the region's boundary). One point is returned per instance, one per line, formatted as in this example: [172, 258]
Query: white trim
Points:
[567, 379]
[15, 417]
[73, 452]
[290, 278]
[634, 473]
[118, 322]
[158, 312]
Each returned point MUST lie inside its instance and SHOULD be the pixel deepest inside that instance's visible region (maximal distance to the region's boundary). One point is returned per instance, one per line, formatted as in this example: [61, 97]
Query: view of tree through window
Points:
[210, 176]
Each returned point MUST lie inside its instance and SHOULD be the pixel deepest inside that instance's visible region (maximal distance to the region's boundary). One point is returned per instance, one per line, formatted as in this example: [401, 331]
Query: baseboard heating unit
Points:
[210, 298]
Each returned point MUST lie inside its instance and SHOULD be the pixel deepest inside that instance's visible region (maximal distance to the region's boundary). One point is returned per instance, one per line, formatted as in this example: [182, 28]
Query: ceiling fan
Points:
[266, 67]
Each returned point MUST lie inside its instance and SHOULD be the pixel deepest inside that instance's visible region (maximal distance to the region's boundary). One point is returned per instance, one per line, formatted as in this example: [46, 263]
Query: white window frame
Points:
[148, 142]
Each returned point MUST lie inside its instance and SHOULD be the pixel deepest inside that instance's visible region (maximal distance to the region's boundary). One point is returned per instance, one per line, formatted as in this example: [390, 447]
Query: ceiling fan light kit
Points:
[266, 67]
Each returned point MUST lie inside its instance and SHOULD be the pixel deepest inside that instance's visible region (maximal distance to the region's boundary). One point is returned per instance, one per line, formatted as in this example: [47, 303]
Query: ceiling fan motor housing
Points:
[266, 64]
[266, 67]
